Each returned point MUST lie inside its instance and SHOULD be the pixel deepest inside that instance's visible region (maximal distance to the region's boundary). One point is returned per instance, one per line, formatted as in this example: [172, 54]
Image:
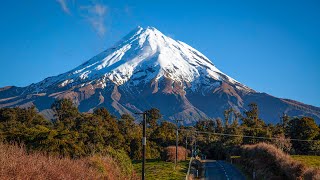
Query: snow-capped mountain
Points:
[142, 56]
[148, 69]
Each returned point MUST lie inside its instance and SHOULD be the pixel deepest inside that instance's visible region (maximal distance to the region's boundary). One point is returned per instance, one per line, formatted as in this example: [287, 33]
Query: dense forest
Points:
[74, 134]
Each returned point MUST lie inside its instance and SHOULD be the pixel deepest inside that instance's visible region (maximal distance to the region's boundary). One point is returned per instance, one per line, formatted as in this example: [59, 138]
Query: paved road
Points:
[221, 170]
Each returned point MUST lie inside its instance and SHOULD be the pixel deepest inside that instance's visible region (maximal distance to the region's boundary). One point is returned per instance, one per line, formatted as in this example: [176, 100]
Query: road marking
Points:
[229, 171]
[206, 173]
[225, 173]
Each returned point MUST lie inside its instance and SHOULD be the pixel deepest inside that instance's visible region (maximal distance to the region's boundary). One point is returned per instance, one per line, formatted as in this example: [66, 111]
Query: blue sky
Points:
[272, 46]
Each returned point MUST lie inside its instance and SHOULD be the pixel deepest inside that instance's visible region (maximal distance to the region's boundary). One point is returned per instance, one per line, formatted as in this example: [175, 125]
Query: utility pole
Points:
[192, 146]
[144, 143]
[177, 134]
[186, 153]
[195, 145]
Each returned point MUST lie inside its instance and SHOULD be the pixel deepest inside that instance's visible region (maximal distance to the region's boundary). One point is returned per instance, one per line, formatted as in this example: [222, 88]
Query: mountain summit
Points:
[144, 55]
[148, 69]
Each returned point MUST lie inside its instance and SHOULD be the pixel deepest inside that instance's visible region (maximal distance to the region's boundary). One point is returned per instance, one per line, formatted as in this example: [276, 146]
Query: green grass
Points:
[310, 161]
[235, 157]
[157, 169]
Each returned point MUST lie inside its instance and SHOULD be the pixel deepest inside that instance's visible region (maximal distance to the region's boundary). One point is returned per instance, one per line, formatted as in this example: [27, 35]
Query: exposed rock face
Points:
[147, 69]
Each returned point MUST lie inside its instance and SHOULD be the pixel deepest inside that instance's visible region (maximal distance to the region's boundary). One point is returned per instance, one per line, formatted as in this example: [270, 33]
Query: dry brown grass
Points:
[15, 163]
[312, 173]
[271, 163]
[170, 153]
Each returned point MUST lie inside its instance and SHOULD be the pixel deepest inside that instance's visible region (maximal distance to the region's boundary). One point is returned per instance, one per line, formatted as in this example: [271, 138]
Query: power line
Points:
[255, 137]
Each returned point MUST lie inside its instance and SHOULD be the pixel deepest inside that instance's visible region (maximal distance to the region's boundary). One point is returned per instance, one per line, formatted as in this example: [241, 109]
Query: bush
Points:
[109, 168]
[169, 153]
[16, 163]
[312, 174]
[268, 162]
[122, 160]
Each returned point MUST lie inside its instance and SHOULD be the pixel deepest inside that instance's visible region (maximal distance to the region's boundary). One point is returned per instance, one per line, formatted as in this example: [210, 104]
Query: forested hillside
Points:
[74, 134]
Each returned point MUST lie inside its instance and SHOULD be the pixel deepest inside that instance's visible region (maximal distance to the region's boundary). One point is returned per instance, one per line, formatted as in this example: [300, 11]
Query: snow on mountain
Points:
[148, 69]
[143, 55]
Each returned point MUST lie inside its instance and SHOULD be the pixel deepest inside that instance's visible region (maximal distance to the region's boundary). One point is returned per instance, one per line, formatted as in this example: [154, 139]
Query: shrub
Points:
[122, 160]
[312, 174]
[170, 153]
[282, 143]
[268, 162]
[16, 163]
[109, 168]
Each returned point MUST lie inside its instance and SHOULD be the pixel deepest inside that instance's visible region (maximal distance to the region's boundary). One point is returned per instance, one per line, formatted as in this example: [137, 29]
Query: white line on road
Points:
[225, 173]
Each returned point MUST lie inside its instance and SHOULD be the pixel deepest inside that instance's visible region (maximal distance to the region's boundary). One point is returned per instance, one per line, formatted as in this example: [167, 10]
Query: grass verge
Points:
[157, 169]
[309, 161]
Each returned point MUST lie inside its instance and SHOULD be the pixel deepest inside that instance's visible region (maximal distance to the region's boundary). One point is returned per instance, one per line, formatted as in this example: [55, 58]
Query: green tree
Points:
[23, 126]
[219, 126]
[304, 128]
[253, 126]
[165, 134]
[207, 125]
[153, 115]
[114, 138]
[132, 134]
[235, 138]
[65, 113]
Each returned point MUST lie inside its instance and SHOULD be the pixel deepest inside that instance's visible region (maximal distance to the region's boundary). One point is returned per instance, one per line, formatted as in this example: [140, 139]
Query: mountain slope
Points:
[148, 69]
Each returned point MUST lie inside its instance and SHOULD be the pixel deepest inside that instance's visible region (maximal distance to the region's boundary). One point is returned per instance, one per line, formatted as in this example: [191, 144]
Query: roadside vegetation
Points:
[159, 169]
[17, 163]
[77, 136]
[269, 162]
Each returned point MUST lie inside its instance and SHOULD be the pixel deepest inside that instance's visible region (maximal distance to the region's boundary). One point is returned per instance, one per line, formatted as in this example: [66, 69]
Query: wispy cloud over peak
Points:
[99, 9]
[64, 6]
[95, 14]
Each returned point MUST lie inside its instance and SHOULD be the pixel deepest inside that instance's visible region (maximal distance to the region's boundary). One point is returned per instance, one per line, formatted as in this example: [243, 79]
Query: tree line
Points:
[294, 135]
[75, 134]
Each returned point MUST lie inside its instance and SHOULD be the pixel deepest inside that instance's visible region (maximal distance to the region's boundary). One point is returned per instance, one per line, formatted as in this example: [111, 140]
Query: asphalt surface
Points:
[221, 170]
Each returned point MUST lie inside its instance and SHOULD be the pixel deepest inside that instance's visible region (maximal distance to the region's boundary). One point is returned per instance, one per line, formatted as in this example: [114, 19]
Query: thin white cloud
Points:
[64, 6]
[95, 14]
[128, 10]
